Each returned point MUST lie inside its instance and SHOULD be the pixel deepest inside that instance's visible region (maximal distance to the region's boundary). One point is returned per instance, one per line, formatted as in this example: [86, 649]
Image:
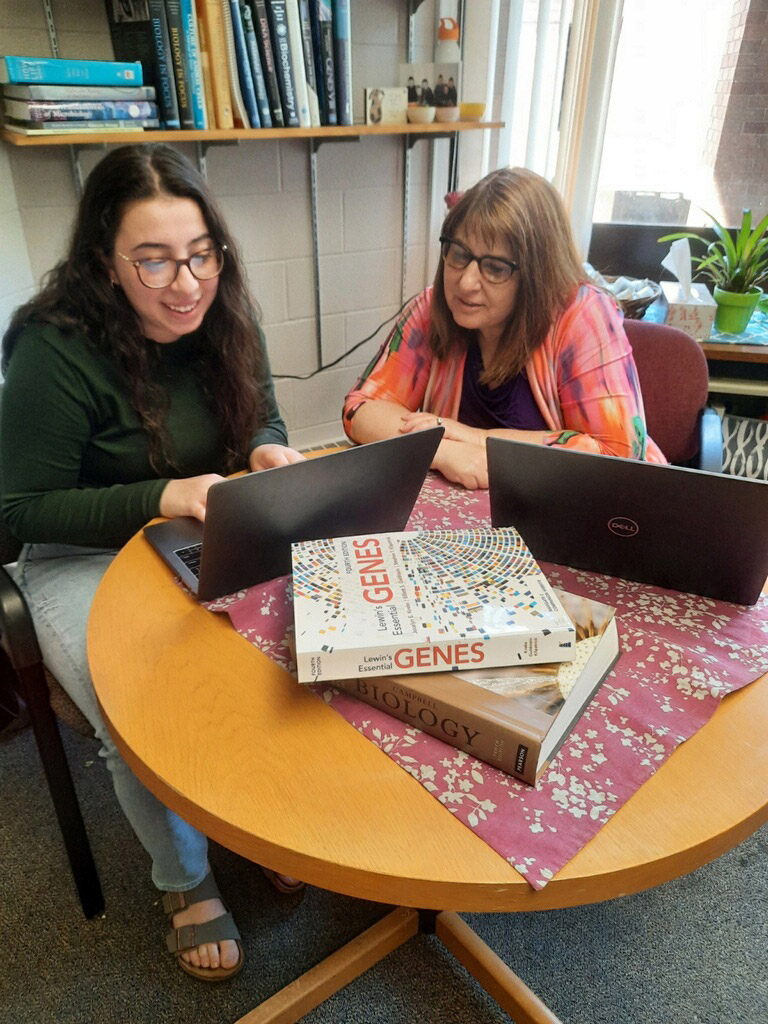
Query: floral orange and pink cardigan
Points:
[583, 378]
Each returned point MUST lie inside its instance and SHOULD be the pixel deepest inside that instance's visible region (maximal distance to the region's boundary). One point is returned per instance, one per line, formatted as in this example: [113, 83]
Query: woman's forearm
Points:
[376, 420]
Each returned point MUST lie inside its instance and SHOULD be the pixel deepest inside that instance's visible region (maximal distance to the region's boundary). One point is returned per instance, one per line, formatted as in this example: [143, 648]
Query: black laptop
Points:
[686, 529]
[252, 520]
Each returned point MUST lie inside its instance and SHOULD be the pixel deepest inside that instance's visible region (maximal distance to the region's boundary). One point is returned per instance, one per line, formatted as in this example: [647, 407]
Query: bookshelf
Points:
[214, 135]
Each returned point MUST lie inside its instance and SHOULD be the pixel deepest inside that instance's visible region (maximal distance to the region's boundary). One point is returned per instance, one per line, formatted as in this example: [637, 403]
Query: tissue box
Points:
[695, 314]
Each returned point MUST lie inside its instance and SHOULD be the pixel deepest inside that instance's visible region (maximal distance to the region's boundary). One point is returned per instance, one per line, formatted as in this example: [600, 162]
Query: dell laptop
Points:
[685, 529]
[252, 520]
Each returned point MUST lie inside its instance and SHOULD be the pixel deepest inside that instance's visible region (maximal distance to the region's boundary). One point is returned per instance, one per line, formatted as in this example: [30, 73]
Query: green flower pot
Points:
[734, 309]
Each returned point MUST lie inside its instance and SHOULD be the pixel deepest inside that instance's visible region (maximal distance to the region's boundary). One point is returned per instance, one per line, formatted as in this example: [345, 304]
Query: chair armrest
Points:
[16, 627]
[711, 441]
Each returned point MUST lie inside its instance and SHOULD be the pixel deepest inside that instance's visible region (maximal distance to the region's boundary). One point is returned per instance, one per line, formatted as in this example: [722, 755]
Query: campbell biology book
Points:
[423, 601]
[513, 718]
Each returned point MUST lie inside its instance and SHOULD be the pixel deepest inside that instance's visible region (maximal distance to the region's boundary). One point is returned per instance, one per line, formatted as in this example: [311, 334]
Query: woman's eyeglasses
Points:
[493, 268]
[157, 272]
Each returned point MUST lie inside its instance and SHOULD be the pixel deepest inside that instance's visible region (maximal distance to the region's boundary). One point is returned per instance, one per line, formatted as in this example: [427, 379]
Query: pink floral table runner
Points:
[681, 654]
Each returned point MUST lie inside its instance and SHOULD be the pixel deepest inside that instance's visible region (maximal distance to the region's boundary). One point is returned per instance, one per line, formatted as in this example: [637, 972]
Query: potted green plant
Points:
[737, 266]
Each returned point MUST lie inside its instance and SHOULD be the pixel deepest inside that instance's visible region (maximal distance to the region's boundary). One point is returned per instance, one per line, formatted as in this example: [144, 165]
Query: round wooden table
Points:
[238, 748]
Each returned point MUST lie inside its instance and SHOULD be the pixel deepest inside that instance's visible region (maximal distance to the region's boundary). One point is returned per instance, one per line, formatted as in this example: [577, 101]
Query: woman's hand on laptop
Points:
[267, 456]
[188, 496]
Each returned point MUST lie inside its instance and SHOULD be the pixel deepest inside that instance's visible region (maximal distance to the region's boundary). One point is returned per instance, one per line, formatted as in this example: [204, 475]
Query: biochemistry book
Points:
[423, 601]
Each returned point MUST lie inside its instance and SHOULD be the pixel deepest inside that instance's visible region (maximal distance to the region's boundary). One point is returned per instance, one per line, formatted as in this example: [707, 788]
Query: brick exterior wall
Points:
[737, 141]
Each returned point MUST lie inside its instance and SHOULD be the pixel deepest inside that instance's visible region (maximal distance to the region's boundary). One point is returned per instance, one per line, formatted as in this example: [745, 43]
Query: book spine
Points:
[104, 110]
[205, 65]
[342, 54]
[75, 127]
[297, 60]
[322, 36]
[179, 63]
[309, 62]
[266, 52]
[165, 79]
[522, 648]
[244, 73]
[259, 84]
[59, 71]
[217, 55]
[497, 743]
[79, 93]
[278, 31]
[192, 41]
[239, 112]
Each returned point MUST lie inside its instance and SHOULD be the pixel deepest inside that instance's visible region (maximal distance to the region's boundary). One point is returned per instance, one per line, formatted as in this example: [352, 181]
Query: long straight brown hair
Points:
[520, 209]
[77, 296]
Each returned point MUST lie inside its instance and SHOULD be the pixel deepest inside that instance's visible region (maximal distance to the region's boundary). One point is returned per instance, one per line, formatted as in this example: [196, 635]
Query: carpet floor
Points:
[689, 952]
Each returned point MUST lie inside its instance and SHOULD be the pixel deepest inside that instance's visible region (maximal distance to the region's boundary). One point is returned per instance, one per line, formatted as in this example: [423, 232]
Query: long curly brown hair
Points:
[520, 208]
[77, 296]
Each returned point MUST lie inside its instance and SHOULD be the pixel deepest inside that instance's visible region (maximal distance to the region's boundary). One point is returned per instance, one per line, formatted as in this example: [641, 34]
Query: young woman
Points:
[510, 341]
[135, 378]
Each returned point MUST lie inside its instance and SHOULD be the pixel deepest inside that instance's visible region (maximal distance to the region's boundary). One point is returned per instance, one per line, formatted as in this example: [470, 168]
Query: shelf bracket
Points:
[201, 152]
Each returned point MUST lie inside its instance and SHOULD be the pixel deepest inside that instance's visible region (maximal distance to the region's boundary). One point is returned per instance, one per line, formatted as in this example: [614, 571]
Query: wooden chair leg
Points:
[65, 803]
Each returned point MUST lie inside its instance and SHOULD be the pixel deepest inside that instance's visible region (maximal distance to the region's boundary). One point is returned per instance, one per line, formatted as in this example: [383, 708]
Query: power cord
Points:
[328, 366]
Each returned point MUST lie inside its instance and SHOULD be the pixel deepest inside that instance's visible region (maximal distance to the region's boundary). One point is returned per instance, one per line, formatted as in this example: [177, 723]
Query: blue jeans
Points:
[59, 582]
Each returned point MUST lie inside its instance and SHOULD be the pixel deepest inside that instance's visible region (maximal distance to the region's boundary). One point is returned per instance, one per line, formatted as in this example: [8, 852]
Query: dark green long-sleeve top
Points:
[74, 457]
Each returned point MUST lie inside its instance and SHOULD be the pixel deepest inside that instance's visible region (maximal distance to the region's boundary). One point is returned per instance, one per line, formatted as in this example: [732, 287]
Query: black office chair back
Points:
[9, 545]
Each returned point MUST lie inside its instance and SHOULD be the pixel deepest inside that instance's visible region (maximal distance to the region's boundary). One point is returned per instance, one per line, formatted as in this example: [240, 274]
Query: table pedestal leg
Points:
[502, 984]
[337, 970]
[340, 968]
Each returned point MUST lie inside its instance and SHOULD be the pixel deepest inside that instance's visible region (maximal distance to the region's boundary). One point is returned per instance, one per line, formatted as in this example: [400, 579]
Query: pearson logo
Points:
[623, 527]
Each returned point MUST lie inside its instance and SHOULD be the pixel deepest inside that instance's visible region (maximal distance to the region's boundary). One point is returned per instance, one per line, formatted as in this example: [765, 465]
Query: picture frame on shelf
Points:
[386, 106]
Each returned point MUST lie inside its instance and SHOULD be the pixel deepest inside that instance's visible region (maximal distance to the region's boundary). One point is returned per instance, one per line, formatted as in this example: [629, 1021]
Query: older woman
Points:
[511, 341]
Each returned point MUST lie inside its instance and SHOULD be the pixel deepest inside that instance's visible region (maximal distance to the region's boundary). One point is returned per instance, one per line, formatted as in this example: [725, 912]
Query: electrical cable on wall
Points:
[328, 366]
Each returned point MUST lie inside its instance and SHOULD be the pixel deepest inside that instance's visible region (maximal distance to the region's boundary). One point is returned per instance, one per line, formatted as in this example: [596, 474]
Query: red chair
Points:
[674, 380]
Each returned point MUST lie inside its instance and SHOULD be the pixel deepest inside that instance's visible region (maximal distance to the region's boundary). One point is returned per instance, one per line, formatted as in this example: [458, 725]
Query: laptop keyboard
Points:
[190, 556]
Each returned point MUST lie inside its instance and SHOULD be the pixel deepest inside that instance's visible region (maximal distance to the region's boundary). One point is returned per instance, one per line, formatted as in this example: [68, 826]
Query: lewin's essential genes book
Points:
[427, 601]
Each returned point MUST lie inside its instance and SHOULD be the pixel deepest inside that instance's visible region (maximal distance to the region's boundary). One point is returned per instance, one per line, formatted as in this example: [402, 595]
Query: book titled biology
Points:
[423, 601]
[514, 718]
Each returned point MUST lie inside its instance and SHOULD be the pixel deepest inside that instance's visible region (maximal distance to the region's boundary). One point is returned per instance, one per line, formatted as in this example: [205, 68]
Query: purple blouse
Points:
[510, 405]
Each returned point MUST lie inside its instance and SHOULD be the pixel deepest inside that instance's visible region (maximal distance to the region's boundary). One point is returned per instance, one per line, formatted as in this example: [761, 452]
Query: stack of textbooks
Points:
[240, 63]
[457, 633]
[47, 95]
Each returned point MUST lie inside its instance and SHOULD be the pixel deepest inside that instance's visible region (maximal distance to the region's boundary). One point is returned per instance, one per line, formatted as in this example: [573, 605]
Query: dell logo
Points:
[623, 527]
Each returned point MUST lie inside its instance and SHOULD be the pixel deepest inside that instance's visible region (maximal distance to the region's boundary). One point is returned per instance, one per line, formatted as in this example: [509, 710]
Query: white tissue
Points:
[678, 262]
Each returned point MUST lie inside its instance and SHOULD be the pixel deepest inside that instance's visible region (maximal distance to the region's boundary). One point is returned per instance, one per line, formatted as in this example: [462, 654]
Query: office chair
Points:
[19, 641]
[674, 379]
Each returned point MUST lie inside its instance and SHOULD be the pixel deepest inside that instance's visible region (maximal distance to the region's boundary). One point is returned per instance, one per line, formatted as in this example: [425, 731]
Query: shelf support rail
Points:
[53, 39]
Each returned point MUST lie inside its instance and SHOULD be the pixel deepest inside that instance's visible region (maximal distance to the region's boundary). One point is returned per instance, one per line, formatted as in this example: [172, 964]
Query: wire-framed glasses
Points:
[493, 268]
[160, 272]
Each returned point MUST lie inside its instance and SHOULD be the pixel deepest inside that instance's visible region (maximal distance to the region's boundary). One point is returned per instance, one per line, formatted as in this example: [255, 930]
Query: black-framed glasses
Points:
[160, 272]
[493, 268]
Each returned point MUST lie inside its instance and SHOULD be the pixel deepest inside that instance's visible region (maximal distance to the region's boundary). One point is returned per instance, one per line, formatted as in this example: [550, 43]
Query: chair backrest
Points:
[674, 379]
[9, 546]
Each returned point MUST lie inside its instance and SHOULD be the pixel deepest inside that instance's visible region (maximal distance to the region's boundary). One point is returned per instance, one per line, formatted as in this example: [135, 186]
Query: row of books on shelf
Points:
[454, 632]
[194, 64]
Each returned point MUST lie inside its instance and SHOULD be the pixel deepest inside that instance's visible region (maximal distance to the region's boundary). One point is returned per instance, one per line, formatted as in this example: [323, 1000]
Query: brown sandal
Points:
[190, 936]
[277, 880]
